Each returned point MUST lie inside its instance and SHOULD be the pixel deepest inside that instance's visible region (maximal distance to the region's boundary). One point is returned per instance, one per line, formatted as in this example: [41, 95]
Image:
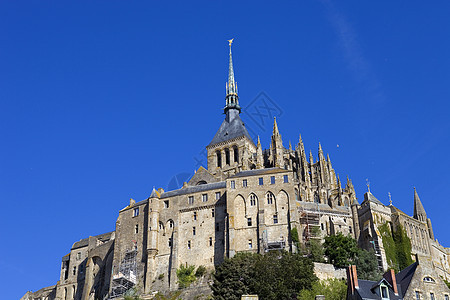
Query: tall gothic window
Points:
[270, 198]
[236, 154]
[227, 156]
[219, 159]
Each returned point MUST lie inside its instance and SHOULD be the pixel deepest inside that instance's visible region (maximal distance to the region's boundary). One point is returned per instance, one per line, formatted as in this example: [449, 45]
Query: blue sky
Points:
[102, 100]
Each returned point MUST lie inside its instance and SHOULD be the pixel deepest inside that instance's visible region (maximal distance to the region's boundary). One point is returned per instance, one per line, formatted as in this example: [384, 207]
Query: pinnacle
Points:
[419, 211]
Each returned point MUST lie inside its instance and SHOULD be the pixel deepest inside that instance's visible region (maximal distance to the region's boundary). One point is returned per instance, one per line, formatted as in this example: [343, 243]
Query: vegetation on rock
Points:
[397, 247]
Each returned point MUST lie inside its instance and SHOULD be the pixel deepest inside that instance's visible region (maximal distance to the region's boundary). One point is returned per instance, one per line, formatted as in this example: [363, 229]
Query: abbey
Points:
[247, 199]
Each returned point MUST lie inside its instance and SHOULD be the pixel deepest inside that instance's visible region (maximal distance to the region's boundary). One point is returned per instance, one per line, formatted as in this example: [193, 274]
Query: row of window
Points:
[194, 216]
[204, 198]
[189, 244]
[275, 220]
[260, 181]
[269, 197]
[227, 156]
[432, 297]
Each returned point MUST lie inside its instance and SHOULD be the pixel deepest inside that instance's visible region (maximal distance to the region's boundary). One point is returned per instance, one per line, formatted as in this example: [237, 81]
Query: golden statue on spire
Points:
[230, 42]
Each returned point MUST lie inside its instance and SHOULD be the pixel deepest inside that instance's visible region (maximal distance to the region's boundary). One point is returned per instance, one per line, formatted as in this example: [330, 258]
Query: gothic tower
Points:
[230, 150]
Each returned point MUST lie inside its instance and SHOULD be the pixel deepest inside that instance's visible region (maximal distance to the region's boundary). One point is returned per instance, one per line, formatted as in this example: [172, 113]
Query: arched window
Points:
[236, 154]
[252, 199]
[227, 156]
[219, 159]
[171, 224]
[270, 197]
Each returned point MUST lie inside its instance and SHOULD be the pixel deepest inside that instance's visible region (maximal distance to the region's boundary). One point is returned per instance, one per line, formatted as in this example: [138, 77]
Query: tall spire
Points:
[275, 127]
[419, 211]
[232, 99]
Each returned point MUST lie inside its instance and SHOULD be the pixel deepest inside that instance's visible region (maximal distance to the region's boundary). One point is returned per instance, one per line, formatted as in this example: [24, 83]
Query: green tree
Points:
[341, 250]
[315, 250]
[275, 275]
[232, 278]
[332, 289]
[281, 275]
[367, 265]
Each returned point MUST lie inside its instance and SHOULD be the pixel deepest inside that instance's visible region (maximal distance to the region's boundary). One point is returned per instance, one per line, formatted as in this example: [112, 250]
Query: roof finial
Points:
[232, 99]
[390, 198]
[368, 184]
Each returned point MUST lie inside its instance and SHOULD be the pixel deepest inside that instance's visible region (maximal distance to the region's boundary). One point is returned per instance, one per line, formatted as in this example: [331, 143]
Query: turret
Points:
[152, 244]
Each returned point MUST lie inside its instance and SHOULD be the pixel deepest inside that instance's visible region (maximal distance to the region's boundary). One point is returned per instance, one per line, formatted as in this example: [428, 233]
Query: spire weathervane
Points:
[368, 184]
[390, 198]
[232, 99]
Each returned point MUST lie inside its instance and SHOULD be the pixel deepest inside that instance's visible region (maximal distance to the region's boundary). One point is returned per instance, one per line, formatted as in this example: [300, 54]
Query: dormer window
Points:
[428, 279]
[384, 292]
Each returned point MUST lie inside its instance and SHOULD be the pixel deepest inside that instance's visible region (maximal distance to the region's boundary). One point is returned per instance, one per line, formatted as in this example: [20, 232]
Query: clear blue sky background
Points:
[102, 100]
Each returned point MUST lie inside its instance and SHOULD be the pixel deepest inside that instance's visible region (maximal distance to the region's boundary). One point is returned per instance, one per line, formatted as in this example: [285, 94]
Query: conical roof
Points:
[419, 211]
[229, 130]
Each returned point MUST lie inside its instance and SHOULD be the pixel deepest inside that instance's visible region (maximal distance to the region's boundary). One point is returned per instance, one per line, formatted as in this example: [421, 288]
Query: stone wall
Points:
[327, 271]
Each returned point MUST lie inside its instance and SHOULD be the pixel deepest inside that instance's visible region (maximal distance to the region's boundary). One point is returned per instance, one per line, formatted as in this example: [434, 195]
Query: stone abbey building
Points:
[248, 199]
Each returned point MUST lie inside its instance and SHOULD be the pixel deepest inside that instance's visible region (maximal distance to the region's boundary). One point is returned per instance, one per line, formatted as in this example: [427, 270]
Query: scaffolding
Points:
[272, 245]
[127, 275]
[376, 248]
[311, 221]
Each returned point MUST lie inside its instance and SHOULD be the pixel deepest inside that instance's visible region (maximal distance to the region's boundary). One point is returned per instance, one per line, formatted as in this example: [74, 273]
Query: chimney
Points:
[351, 286]
[390, 277]
[355, 277]
[352, 279]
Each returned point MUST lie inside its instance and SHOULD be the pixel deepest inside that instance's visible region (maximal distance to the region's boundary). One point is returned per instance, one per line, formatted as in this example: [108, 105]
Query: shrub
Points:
[201, 270]
[185, 276]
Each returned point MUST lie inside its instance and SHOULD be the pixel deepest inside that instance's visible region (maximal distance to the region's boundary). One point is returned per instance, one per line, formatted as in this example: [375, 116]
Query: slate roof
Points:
[230, 130]
[367, 290]
[154, 194]
[195, 189]
[259, 172]
[84, 242]
[326, 208]
[368, 196]
[404, 277]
